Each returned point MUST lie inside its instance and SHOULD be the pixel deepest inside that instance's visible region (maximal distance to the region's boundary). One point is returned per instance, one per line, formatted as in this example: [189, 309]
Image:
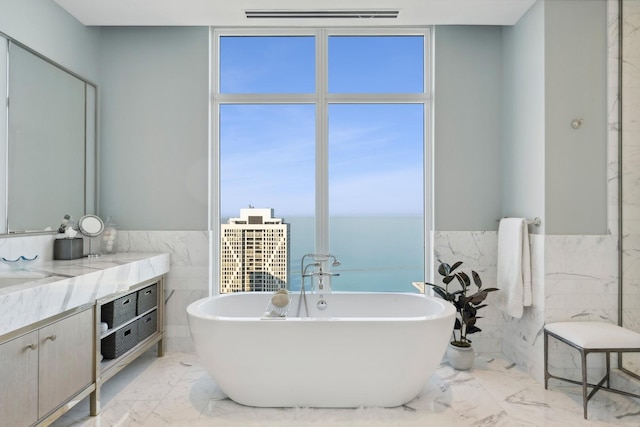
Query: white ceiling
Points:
[231, 13]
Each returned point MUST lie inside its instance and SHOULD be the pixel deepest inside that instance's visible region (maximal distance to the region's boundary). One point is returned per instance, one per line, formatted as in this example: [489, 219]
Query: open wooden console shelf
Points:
[105, 368]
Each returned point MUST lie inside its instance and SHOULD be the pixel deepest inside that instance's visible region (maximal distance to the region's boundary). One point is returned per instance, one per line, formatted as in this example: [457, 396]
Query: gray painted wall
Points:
[575, 87]
[154, 105]
[555, 71]
[154, 146]
[467, 97]
[523, 118]
[50, 30]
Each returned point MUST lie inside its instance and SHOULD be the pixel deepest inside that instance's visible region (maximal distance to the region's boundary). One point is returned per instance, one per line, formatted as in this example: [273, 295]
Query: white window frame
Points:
[321, 98]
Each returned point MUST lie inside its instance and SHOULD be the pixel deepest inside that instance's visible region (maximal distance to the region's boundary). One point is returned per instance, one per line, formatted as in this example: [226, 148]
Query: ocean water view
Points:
[379, 254]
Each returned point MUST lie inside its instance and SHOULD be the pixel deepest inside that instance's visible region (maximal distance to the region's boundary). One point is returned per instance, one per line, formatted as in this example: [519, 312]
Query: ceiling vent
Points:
[320, 14]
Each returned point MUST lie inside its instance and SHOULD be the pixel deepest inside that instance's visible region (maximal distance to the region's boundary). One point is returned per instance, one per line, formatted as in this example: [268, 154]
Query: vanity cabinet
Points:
[66, 360]
[19, 380]
[50, 360]
[44, 368]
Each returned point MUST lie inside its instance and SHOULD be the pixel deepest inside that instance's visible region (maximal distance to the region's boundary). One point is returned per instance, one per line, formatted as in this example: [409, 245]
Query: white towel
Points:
[514, 266]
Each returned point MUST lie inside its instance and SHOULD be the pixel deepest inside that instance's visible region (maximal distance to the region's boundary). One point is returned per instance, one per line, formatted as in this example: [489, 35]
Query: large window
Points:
[327, 132]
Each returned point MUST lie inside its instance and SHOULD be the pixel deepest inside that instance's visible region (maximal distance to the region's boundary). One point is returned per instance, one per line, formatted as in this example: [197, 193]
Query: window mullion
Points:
[322, 146]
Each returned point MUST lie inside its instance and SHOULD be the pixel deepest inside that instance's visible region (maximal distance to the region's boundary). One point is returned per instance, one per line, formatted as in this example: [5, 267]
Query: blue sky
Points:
[375, 151]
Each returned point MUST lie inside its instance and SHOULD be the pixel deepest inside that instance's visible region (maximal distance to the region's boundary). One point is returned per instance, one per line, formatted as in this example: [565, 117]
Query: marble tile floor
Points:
[176, 391]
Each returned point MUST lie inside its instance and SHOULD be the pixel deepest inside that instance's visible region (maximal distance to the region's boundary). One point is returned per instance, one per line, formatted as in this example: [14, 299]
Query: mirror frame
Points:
[90, 140]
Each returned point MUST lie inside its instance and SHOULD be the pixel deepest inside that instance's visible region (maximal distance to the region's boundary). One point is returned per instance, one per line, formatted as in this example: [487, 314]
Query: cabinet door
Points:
[19, 381]
[65, 366]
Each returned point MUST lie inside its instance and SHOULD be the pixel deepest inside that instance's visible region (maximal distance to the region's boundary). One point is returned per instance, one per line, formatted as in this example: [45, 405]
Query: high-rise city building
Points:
[254, 252]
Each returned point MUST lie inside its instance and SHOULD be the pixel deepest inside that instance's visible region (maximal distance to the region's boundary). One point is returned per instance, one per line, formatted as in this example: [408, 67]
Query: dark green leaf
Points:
[447, 279]
[456, 265]
[476, 279]
[442, 293]
[444, 269]
[473, 330]
[478, 297]
[469, 313]
[464, 280]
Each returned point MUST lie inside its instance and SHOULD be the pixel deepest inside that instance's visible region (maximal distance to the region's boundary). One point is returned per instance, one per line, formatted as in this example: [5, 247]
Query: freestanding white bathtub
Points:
[364, 349]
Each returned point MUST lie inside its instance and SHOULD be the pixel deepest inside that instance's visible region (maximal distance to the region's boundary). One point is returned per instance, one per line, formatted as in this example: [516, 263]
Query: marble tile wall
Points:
[581, 283]
[631, 172]
[519, 339]
[187, 281]
[613, 120]
[478, 251]
[28, 246]
[522, 338]
[574, 278]
[188, 278]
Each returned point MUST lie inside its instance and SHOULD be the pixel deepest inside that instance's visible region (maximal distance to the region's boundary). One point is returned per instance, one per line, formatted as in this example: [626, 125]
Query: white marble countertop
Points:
[64, 285]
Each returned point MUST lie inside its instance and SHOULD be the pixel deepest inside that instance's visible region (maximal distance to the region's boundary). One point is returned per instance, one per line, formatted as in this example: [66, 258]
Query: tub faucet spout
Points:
[321, 284]
[317, 261]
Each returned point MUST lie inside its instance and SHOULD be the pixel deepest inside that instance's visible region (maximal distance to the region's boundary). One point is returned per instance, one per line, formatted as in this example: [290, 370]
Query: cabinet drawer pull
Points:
[31, 347]
[148, 292]
[51, 337]
[127, 301]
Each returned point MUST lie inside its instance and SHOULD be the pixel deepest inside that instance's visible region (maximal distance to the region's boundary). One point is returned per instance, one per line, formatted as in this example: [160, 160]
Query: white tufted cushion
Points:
[596, 335]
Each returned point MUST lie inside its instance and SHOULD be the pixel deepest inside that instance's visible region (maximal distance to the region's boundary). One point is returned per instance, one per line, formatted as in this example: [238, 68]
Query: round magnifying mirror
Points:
[91, 225]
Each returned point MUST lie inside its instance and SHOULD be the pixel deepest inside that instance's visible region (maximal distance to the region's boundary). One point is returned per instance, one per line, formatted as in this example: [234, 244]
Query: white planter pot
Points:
[460, 358]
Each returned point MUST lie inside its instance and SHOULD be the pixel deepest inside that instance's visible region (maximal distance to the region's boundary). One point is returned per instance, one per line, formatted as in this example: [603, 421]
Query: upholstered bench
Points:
[591, 337]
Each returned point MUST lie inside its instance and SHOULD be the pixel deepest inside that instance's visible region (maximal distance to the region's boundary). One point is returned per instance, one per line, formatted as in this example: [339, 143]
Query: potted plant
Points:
[467, 302]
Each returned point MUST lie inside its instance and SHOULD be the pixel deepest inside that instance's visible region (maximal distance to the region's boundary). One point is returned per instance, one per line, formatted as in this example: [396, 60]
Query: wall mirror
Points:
[50, 143]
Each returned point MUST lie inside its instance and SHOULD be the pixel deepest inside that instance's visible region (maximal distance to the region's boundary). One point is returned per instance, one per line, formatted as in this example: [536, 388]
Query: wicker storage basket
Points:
[119, 342]
[147, 325]
[147, 298]
[119, 311]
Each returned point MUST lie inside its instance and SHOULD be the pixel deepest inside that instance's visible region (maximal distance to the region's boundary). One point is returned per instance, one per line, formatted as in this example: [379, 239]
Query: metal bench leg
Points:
[585, 399]
[546, 359]
[608, 369]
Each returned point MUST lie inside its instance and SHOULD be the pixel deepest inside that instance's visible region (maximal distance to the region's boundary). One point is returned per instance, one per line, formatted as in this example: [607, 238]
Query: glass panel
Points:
[4, 48]
[267, 162]
[267, 64]
[376, 200]
[376, 64]
[46, 143]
